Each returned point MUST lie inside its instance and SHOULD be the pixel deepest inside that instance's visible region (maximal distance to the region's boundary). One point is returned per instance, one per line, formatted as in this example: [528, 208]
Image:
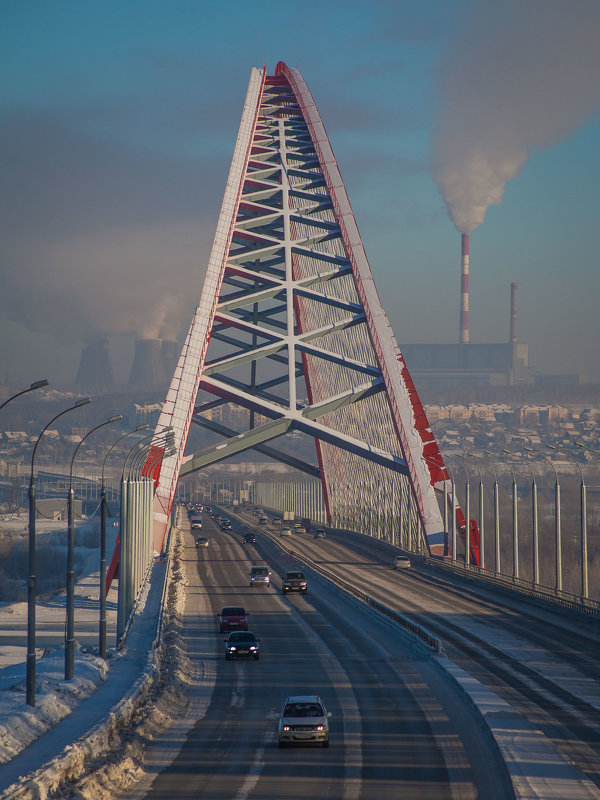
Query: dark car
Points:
[249, 538]
[225, 525]
[294, 581]
[201, 541]
[233, 618]
[242, 644]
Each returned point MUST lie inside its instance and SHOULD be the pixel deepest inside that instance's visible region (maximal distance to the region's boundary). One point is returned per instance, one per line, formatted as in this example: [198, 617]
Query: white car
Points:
[304, 720]
[401, 562]
[285, 532]
[260, 575]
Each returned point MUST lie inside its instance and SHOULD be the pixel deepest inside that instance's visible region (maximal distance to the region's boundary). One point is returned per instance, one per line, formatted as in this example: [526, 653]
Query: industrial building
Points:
[467, 364]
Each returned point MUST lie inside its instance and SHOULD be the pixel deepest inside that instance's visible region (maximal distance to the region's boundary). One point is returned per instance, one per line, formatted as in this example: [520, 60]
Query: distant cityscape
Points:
[571, 428]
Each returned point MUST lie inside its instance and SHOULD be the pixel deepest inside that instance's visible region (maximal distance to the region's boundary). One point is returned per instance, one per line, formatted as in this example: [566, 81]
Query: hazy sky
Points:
[117, 125]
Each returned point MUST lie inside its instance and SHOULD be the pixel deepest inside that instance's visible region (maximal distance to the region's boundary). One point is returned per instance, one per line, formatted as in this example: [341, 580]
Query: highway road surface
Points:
[400, 727]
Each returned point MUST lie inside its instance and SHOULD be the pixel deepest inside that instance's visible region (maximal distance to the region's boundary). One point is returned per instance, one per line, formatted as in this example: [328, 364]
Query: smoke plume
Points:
[97, 239]
[521, 76]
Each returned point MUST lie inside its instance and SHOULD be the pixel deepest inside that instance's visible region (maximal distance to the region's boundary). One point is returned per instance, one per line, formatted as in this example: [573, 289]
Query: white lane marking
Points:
[255, 768]
[237, 695]
[351, 717]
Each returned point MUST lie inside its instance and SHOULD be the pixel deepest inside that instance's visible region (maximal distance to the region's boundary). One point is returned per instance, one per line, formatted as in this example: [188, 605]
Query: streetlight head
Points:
[83, 402]
[116, 418]
[142, 427]
[39, 384]
[551, 446]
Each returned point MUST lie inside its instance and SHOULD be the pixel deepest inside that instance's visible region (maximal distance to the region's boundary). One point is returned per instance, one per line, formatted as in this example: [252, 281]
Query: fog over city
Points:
[117, 128]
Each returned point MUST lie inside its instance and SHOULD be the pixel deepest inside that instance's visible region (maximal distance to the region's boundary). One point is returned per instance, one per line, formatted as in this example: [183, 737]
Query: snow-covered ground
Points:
[55, 698]
[22, 726]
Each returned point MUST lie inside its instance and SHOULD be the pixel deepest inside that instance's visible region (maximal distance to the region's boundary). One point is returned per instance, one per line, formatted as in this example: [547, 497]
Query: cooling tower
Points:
[170, 355]
[148, 371]
[463, 336]
[94, 367]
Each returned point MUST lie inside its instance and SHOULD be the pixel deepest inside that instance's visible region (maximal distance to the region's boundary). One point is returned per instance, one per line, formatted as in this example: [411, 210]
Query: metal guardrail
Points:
[573, 602]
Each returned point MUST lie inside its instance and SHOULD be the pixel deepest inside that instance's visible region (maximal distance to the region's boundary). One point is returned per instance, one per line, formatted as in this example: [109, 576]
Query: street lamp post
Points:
[103, 505]
[31, 582]
[467, 512]
[445, 518]
[453, 494]
[583, 523]
[481, 511]
[36, 385]
[70, 628]
[515, 517]
[497, 564]
[557, 522]
[534, 519]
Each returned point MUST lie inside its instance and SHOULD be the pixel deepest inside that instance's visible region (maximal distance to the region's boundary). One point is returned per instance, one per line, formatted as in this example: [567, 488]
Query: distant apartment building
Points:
[143, 414]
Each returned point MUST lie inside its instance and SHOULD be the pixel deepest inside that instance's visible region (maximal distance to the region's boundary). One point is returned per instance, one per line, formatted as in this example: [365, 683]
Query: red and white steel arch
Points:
[423, 461]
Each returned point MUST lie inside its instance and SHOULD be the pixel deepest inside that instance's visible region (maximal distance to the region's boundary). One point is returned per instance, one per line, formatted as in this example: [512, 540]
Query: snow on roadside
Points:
[21, 724]
[113, 756]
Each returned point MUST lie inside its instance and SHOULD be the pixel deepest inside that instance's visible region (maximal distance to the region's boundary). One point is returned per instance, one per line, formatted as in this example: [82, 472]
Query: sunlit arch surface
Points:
[290, 326]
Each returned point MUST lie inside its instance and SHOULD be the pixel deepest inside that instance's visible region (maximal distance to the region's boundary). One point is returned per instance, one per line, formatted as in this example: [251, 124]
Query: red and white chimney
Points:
[463, 336]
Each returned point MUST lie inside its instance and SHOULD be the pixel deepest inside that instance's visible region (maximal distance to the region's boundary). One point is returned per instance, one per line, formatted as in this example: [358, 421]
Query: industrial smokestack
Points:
[463, 336]
[170, 355]
[513, 313]
[148, 367]
[94, 367]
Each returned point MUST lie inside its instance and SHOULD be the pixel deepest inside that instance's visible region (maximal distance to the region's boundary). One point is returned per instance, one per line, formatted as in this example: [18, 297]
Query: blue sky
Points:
[117, 126]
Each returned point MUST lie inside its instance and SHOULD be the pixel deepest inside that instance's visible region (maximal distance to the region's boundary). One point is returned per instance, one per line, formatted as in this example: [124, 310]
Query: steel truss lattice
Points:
[296, 330]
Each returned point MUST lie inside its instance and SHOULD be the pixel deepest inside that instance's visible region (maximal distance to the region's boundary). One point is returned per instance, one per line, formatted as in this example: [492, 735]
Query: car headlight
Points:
[231, 647]
[320, 727]
[285, 728]
[253, 647]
